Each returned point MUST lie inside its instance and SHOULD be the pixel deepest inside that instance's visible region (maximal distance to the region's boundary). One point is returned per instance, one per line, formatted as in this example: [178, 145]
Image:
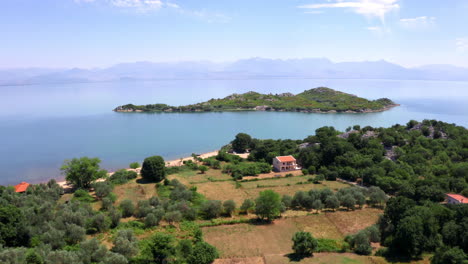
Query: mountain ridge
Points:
[314, 68]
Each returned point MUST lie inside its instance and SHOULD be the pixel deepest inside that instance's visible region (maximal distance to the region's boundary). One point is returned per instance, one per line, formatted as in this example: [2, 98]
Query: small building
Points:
[285, 163]
[456, 199]
[22, 187]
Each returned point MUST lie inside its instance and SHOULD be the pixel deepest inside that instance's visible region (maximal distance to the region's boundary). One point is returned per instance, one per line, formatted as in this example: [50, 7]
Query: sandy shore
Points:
[170, 163]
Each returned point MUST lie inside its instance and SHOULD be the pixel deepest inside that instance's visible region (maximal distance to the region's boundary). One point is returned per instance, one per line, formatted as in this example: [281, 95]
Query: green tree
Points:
[127, 207]
[203, 169]
[134, 165]
[159, 249]
[203, 253]
[102, 189]
[32, 257]
[229, 207]
[332, 202]
[247, 206]
[449, 256]
[304, 244]
[81, 172]
[241, 143]
[211, 209]
[12, 226]
[348, 201]
[268, 205]
[125, 243]
[154, 169]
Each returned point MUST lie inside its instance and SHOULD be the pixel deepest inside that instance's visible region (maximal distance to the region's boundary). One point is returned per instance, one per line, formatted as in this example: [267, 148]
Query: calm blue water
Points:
[42, 125]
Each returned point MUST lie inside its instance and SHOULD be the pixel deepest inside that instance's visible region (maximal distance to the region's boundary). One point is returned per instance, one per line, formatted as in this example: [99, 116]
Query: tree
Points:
[32, 257]
[127, 208]
[268, 205]
[81, 172]
[247, 206]
[362, 244]
[134, 165]
[160, 249]
[332, 202]
[211, 209]
[317, 205]
[447, 255]
[12, 227]
[173, 217]
[203, 169]
[304, 244]
[125, 243]
[241, 142]
[152, 220]
[229, 207]
[154, 169]
[348, 201]
[203, 253]
[102, 189]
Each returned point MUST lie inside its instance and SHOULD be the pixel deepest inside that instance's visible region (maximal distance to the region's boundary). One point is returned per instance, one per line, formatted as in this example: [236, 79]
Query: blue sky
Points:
[99, 33]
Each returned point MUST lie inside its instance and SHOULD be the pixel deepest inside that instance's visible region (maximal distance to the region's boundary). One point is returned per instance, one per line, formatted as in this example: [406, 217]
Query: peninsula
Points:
[317, 100]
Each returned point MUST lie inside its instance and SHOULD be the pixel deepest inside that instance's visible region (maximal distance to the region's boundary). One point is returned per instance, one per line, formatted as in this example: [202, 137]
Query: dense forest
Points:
[320, 99]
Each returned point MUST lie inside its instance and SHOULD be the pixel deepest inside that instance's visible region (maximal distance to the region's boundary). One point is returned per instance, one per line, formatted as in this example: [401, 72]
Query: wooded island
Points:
[317, 100]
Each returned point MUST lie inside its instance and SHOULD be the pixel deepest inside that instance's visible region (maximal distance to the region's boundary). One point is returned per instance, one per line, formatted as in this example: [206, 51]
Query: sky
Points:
[101, 33]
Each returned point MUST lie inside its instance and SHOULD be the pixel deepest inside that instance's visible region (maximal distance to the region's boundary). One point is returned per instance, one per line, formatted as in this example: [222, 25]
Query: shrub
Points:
[229, 207]
[203, 253]
[122, 176]
[102, 189]
[83, 196]
[247, 205]
[304, 244]
[134, 165]
[211, 209]
[127, 208]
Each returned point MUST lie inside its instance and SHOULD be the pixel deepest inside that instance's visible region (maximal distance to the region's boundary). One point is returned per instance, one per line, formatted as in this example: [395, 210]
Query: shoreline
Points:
[169, 163]
[311, 111]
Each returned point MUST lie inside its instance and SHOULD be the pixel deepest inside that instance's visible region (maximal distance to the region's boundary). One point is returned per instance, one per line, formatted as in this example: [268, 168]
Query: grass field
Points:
[245, 240]
[218, 186]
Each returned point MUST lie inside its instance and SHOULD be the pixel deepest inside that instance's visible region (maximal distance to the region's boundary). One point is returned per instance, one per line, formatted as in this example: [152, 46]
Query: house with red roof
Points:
[22, 187]
[285, 163]
[453, 198]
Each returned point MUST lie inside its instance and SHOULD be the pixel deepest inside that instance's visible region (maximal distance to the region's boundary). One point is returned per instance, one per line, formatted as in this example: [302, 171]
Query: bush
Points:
[102, 189]
[211, 209]
[122, 176]
[83, 196]
[304, 244]
[127, 208]
[247, 205]
[134, 165]
[154, 169]
[229, 207]
[203, 253]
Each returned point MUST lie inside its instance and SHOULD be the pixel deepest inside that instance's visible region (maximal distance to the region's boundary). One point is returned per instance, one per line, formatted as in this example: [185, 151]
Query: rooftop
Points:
[458, 197]
[22, 187]
[286, 158]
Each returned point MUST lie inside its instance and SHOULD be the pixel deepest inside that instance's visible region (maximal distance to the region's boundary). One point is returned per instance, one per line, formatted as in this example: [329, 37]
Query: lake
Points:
[42, 125]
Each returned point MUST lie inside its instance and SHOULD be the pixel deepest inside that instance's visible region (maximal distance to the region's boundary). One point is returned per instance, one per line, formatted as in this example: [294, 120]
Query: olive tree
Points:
[304, 243]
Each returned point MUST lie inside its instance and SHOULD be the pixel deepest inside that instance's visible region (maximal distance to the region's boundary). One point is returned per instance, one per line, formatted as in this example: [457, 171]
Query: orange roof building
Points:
[453, 198]
[22, 187]
[285, 163]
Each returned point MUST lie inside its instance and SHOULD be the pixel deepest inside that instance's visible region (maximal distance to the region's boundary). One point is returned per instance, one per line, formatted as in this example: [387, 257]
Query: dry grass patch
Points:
[254, 260]
[246, 240]
[353, 221]
[322, 258]
[134, 191]
[222, 191]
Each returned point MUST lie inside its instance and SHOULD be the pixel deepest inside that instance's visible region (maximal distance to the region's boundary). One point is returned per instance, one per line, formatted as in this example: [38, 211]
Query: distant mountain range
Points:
[317, 68]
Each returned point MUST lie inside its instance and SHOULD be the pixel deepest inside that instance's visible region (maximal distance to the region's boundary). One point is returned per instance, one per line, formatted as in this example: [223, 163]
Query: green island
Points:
[365, 195]
[317, 100]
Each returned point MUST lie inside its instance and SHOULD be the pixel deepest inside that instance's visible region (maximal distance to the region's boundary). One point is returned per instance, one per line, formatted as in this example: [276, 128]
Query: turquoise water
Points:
[42, 125]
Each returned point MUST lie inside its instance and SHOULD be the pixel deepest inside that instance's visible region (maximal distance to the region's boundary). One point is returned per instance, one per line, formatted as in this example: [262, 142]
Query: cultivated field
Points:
[245, 240]
[218, 186]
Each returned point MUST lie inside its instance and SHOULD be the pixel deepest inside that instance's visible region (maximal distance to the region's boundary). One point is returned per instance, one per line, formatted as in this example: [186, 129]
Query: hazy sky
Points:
[97, 33]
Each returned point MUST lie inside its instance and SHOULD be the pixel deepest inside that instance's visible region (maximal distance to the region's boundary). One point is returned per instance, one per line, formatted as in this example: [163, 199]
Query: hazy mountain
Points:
[320, 68]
